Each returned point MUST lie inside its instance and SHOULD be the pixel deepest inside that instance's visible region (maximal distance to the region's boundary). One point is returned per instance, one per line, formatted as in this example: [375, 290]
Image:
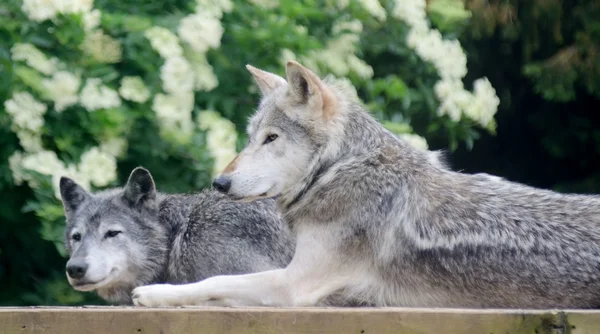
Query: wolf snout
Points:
[76, 268]
[222, 184]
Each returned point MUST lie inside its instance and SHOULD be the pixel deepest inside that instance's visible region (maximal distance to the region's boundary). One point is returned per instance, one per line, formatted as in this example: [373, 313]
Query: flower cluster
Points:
[220, 138]
[339, 55]
[374, 8]
[101, 47]
[450, 61]
[41, 10]
[62, 89]
[134, 89]
[202, 31]
[183, 71]
[95, 167]
[34, 58]
[96, 96]
[27, 116]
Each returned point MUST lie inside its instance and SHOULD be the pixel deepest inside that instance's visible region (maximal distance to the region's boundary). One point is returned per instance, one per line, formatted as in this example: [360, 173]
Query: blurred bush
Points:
[91, 89]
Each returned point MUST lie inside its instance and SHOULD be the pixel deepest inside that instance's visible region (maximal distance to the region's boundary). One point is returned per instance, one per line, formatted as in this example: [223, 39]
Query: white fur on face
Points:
[107, 262]
[265, 170]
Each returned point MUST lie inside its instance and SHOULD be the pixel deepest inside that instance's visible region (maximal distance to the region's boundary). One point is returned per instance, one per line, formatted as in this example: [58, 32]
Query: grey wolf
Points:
[126, 237]
[380, 221]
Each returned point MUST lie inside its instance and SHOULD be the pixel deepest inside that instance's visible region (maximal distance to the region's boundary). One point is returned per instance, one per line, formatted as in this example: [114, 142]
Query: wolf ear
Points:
[307, 88]
[140, 189]
[266, 81]
[72, 195]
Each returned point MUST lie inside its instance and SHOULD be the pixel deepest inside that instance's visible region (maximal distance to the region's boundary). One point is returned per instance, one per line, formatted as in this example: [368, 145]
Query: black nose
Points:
[222, 184]
[76, 269]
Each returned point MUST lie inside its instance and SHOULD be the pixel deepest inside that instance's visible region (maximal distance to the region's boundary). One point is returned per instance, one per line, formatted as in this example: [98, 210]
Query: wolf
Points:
[380, 221]
[121, 238]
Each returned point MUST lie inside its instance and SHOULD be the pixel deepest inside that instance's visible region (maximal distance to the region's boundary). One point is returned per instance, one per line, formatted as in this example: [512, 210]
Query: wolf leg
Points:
[315, 272]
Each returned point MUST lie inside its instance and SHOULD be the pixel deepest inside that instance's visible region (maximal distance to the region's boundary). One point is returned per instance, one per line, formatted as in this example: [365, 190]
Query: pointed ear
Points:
[266, 81]
[72, 195]
[306, 87]
[140, 189]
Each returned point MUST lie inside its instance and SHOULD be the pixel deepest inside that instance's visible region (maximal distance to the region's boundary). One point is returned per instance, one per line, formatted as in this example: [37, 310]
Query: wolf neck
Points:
[361, 134]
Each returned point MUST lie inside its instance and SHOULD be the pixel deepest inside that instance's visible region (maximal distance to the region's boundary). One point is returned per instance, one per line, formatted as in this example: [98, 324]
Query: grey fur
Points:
[379, 221]
[169, 238]
[434, 237]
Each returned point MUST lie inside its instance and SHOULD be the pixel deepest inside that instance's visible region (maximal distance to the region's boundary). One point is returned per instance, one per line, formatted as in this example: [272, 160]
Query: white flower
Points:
[62, 89]
[214, 8]
[267, 4]
[174, 113]
[301, 30]
[359, 66]
[91, 20]
[446, 55]
[164, 42]
[26, 112]
[34, 58]
[102, 47]
[41, 10]
[134, 89]
[30, 142]
[374, 8]
[74, 6]
[339, 57]
[95, 96]
[450, 61]
[14, 163]
[114, 146]
[176, 107]
[485, 102]
[201, 31]
[453, 98]
[415, 141]
[204, 77]
[221, 138]
[176, 75]
[412, 12]
[99, 167]
[43, 162]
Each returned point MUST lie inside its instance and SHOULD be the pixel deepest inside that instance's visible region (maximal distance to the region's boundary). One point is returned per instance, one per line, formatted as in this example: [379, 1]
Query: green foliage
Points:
[560, 41]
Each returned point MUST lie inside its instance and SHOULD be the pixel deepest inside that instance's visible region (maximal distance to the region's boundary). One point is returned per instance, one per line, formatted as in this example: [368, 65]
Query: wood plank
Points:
[68, 320]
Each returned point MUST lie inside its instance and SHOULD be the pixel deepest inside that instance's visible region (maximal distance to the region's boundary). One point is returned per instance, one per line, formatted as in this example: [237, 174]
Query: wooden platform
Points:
[67, 320]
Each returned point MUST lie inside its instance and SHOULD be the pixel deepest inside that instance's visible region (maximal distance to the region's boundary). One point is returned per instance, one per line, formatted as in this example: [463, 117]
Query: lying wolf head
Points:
[296, 117]
[113, 237]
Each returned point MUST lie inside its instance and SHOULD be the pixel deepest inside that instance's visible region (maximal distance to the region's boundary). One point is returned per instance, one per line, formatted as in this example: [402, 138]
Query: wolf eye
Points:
[270, 138]
[76, 237]
[111, 234]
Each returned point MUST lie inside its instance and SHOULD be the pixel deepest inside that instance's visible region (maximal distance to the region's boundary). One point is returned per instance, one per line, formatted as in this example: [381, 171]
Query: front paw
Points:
[159, 295]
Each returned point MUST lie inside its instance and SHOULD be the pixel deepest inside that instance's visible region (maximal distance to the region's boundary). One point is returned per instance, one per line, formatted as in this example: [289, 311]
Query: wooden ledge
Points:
[93, 319]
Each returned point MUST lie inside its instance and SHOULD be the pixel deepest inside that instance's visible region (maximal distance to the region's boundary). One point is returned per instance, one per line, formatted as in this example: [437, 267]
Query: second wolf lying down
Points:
[123, 238]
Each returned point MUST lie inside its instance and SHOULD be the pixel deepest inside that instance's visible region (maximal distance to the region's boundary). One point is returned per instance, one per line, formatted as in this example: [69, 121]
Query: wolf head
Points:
[113, 237]
[296, 118]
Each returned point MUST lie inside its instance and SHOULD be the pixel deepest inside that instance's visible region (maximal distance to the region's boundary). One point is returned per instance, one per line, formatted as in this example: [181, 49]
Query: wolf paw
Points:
[159, 295]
